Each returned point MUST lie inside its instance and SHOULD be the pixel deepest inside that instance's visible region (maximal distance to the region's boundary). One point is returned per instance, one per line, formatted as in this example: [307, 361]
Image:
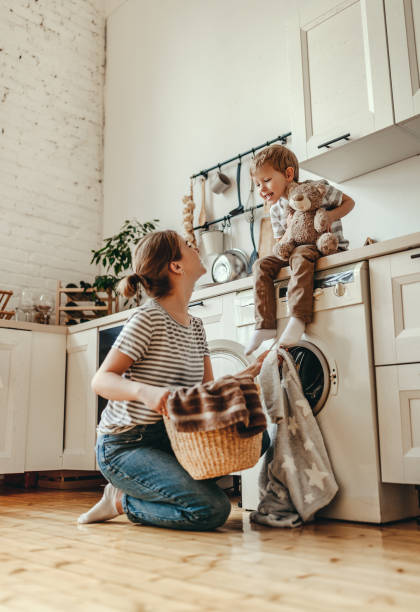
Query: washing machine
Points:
[334, 361]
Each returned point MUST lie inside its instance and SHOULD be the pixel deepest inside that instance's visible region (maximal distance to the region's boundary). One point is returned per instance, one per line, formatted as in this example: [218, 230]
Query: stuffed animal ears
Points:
[321, 187]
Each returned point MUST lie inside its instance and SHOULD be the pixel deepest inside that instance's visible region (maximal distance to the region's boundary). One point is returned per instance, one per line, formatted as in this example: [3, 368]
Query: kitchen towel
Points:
[296, 479]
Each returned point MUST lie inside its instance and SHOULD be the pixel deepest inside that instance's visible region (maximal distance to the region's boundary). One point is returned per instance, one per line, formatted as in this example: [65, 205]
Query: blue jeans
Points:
[156, 488]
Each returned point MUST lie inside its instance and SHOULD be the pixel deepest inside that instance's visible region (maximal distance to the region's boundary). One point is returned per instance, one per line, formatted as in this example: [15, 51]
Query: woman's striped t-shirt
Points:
[165, 354]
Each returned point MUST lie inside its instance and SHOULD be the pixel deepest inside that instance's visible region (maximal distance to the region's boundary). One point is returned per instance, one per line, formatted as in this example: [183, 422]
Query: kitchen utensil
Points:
[232, 264]
[254, 255]
[251, 219]
[202, 216]
[239, 209]
[212, 242]
[219, 182]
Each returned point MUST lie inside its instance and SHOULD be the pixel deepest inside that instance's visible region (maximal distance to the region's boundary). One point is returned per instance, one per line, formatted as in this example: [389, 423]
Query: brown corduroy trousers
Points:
[299, 291]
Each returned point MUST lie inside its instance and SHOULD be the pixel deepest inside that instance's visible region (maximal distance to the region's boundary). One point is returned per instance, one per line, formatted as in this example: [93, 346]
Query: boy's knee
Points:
[267, 266]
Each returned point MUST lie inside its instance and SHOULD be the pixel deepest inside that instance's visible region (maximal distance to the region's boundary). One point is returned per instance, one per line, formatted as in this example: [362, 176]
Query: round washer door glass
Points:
[314, 373]
[227, 357]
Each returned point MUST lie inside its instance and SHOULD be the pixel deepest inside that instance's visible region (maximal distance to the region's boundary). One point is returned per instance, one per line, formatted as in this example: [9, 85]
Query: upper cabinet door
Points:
[403, 27]
[15, 356]
[340, 82]
[395, 292]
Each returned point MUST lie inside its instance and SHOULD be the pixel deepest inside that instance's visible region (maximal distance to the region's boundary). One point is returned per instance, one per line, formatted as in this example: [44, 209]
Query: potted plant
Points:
[115, 255]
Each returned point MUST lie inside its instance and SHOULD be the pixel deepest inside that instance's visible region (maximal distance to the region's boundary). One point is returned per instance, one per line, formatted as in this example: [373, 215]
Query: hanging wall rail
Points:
[204, 173]
[226, 217]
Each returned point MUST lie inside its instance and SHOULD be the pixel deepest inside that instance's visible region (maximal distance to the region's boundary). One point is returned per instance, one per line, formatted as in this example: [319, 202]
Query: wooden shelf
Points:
[85, 307]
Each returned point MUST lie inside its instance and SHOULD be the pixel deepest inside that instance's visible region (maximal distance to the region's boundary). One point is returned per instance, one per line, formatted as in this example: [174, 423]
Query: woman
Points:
[160, 347]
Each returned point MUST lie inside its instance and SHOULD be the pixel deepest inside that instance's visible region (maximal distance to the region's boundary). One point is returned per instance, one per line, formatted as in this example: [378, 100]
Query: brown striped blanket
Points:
[219, 403]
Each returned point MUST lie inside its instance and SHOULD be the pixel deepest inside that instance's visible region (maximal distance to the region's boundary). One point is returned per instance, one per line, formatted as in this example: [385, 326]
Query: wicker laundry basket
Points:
[208, 454]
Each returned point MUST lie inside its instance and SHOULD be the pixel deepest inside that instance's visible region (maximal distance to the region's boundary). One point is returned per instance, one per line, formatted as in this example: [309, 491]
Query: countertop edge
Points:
[378, 249]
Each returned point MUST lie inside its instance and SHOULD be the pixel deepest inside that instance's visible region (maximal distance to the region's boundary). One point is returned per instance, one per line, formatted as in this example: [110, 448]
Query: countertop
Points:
[386, 247]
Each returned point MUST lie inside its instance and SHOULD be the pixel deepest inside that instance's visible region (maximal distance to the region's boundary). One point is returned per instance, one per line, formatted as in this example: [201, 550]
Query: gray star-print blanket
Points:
[296, 479]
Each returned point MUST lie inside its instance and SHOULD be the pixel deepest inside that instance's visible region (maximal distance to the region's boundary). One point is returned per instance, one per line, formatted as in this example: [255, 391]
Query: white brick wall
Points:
[52, 55]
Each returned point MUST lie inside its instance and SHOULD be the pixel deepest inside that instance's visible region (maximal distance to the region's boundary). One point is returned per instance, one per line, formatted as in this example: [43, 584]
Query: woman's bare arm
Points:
[109, 383]
[208, 369]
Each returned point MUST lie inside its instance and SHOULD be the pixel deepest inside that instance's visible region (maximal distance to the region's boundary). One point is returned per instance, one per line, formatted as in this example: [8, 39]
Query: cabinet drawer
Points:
[395, 296]
[398, 392]
[244, 308]
[209, 310]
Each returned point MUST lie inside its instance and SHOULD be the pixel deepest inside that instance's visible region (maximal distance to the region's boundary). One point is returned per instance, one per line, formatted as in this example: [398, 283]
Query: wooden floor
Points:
[48, 562]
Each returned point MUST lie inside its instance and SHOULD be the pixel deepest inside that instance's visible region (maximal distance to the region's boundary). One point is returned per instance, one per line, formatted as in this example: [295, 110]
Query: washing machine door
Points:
[314, 373]
[227, 357]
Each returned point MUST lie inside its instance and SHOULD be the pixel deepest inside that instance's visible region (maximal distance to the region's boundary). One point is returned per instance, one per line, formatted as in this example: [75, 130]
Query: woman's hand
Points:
[155, 398]
[255, 368]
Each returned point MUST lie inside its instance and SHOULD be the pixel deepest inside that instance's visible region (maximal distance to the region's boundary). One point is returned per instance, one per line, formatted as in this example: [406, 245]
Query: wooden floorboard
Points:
[49, 562]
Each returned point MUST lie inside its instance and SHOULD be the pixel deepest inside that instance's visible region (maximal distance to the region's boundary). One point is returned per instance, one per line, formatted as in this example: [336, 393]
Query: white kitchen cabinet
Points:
[15, 360]
[44, 435]
[32, 381]
[403, 28]
[216, 314]
[81, 401]
[341, 89]
[398, 393]
[395, 297]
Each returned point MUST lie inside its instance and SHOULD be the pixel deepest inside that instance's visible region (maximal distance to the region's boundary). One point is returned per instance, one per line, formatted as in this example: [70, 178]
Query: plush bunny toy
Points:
[309, 223]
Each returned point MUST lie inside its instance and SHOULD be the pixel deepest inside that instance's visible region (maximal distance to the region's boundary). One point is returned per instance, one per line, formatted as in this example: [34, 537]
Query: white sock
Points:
[293, 332]
[104, 510]
[258, 336]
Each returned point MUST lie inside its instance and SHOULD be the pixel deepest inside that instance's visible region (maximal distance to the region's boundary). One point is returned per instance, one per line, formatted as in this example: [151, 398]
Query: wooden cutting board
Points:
[266, 241]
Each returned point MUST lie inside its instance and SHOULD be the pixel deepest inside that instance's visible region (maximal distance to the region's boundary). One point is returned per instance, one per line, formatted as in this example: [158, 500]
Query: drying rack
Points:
[4, 298]
[204, 173]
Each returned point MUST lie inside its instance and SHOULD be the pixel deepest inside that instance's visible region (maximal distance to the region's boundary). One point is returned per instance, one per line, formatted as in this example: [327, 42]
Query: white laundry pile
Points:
[296, 479]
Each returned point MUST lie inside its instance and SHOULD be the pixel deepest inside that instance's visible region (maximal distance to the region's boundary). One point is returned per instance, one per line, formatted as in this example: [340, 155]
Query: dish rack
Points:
[87, 304]
[4, 298]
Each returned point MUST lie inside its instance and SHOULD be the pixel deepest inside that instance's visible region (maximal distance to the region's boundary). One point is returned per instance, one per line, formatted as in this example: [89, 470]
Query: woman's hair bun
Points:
[128, 285]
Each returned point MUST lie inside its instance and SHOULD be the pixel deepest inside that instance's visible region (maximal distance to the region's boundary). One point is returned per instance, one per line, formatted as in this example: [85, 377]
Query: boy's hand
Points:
[254, 369]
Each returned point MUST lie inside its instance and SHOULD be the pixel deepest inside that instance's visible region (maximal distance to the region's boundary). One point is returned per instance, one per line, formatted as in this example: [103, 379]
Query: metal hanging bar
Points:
[204, 173]
[226, 217]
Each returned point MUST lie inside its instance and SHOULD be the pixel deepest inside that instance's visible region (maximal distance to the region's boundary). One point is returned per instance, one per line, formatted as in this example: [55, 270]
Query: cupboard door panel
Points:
[398, 390]
[44, 447]
[403, 28]
[395, 291]
[81, 402]
[15, 355]
[339, 66]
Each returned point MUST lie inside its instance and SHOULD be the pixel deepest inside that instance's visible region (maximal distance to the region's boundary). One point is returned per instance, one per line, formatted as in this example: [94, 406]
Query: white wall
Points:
[51, 120]
[192, 82]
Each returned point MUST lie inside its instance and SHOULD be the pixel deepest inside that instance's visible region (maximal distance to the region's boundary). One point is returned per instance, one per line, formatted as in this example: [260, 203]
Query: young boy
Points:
[273, 170]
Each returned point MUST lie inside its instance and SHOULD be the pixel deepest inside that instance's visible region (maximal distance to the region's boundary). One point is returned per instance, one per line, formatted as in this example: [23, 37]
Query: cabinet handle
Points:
[195, 304]
[416, 256]
[329, 142]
